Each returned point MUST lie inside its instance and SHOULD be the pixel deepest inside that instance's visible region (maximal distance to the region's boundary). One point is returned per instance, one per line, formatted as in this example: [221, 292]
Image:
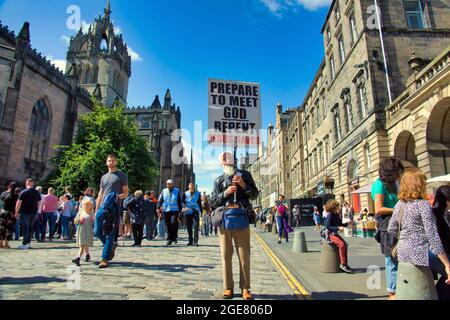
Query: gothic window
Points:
[87, 75]
[95, 75]
[39, 132]
[146, 125]
[104, 44]
[337, 12]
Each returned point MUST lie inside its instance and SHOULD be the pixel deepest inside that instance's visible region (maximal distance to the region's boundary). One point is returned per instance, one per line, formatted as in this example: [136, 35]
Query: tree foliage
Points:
[102, 132]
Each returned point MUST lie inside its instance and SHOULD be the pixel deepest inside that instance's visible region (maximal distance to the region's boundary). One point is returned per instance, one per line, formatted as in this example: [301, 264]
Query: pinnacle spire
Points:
[108, 8]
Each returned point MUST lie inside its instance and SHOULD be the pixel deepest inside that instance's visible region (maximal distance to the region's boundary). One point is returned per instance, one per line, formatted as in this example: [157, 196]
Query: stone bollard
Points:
[274, 228]
[415, 283]
[300, 245]
[329, 259]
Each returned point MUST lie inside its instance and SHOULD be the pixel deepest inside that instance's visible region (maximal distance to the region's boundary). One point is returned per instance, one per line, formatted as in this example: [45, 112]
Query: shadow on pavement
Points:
[338, 295]
[263, 297]
[159, 267]
[31, 280]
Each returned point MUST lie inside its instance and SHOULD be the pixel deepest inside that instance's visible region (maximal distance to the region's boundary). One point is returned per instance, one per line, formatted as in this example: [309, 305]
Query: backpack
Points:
[281, 209]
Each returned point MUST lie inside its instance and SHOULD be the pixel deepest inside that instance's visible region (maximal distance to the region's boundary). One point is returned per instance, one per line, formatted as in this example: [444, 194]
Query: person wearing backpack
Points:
[137, 207]
[281, 218]
[231, 196]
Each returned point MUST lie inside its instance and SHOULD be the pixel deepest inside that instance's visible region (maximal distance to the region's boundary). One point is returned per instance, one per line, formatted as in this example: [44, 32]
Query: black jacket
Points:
[443, 229]
[222, 183]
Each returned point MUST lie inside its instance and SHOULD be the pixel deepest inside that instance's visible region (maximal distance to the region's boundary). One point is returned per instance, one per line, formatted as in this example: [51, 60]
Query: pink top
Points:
[50, 203]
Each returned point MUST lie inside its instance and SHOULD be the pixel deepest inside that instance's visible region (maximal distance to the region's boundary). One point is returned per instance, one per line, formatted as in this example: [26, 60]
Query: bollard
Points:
[300, 245]
[329, 259]
[415, 283]
[274, 228]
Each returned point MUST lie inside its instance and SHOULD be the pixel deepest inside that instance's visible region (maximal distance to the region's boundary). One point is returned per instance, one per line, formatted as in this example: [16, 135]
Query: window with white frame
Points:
[341, 48]
[414, 14]
[332, 68]
[367, 156]
[353, 27]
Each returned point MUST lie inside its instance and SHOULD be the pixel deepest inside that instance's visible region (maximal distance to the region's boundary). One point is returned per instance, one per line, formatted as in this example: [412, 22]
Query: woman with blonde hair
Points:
[414, 222]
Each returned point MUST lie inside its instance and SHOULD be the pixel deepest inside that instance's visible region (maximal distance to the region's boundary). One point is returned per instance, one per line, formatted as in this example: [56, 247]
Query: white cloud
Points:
[134, 55]
[278, 7]
[59, 63]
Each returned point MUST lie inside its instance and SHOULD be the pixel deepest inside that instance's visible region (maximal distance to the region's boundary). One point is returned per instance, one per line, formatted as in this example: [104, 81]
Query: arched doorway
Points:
[405, 149]
[438, 139]
[353, 178]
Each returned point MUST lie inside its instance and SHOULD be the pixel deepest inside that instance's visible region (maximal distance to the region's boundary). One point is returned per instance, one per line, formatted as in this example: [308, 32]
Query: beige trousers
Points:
[241, 239]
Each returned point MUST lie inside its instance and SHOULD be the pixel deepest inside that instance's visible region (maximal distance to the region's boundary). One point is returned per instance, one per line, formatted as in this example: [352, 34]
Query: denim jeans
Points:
[193, 222]
[50, 219]
[161, 228]
[109, 239]
[436, 264]
[391, 275]
[65, 226]
[38, 227]
[17, 231]
[27, 221]
[281, 228]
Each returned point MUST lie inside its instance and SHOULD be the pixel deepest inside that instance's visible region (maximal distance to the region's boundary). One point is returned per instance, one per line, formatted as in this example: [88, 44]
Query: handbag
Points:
[235, 219]
[217, 217]
[394, 250]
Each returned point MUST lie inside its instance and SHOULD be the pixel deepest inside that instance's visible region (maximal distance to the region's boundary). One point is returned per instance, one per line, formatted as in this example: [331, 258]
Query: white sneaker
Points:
[24, 247]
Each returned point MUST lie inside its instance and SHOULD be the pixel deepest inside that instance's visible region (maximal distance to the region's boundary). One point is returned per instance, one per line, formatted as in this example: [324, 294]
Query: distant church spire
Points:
[108, 9]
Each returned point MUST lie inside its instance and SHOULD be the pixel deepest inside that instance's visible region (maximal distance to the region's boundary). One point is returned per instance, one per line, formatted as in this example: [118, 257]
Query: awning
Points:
[366, 189]
[442, 179]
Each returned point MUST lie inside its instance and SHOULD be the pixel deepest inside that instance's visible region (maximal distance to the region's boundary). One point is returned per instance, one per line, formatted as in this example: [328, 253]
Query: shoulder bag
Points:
[394, 250]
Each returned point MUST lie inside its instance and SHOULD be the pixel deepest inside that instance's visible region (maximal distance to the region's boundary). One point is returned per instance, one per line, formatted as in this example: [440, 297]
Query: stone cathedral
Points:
[40, 105]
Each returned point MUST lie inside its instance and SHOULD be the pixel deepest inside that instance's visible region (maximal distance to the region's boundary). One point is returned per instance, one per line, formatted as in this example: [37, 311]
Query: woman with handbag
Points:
[384, 194]
[415, 226]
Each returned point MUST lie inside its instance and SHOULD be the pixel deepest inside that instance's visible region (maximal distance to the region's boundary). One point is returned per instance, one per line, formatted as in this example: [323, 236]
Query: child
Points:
[334, 224]
[85, 234]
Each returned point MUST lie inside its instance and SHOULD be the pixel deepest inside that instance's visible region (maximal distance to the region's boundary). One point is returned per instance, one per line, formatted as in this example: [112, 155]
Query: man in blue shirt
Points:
[170, 204]
[192, 203]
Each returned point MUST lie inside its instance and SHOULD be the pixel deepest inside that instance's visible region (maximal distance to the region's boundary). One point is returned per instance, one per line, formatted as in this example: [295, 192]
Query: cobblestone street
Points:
[152, 272]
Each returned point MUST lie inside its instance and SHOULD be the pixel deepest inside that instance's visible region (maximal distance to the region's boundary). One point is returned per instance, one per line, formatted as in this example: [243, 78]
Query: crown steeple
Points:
[108, 9]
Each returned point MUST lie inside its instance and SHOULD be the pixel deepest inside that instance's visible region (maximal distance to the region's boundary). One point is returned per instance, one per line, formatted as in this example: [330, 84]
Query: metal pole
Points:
[384, 51]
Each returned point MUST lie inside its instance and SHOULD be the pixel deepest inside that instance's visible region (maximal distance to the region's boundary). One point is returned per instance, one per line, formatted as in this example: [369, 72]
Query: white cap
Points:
[169, 181]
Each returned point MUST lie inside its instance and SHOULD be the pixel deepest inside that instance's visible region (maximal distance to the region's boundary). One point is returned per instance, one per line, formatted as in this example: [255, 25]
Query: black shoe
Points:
[113, 253]
[176, 242]
[196, 244]
[190, 244]
[76, 262]
[88, 258]
[346, 269]
[169, 243]
[279, 241]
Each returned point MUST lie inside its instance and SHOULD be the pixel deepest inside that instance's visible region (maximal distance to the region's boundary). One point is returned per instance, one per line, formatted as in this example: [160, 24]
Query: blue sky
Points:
[179, 44]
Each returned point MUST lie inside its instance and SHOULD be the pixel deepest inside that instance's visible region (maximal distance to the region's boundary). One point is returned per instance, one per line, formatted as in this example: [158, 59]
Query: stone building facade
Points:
[344, 112]
[39, 108]
[418, 120]
[157, 123]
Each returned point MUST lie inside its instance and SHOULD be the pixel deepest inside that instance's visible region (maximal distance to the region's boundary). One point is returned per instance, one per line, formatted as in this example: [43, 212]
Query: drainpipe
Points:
[384, 51]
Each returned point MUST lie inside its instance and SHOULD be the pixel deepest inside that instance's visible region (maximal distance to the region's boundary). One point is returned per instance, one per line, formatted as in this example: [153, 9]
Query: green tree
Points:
[102, 132]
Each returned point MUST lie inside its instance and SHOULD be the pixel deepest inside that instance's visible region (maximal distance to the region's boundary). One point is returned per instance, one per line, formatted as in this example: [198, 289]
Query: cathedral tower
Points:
[102, 60]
